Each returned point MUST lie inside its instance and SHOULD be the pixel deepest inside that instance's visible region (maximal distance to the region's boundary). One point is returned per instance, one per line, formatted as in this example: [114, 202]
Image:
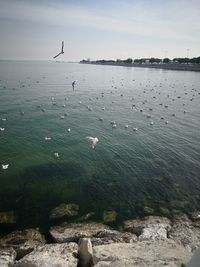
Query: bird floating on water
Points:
[47, 138]
[62, 51]
[93, 140]
[5, 166]
[2, 129]
[56, 155]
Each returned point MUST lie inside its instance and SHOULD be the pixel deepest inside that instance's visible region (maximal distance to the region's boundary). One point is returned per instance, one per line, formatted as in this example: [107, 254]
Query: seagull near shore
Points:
[62, 52]
[93, 140]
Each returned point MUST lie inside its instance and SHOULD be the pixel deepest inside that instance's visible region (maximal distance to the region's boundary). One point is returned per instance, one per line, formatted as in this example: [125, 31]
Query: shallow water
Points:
[133, 172]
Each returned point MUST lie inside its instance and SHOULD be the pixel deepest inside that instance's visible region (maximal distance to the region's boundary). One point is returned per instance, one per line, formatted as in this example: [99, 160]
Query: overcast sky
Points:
[99, 29]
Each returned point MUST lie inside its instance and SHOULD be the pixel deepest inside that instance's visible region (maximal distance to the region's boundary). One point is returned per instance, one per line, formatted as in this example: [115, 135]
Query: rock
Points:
[153, 232]
[112, 236]
[23, 241]
[142, 254]
[85, 252]
[195, 216]
[7, 217]
[7, 257]
[64, 210]
[185, 232]
[136, 226]
[177, 204]
[51, 255]
[109, 216]
[72, 232]
[86, 217]
[148, 210]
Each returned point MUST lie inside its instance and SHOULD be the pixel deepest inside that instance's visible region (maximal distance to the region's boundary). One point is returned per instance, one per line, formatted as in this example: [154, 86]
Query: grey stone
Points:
[185, 232]
[7, 257]
[137, 226]
[72, 232]
[23, 241]
[112, 236]
[142, 254]
[52, 255]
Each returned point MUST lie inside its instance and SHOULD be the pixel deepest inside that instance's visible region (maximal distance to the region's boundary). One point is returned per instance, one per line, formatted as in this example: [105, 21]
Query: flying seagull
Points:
[62, 52]
[93, 140]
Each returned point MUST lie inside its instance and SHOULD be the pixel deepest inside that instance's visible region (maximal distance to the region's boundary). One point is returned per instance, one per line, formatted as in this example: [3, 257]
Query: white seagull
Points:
[2, 129]
[4, 167]
[47, 138]
[93, 140]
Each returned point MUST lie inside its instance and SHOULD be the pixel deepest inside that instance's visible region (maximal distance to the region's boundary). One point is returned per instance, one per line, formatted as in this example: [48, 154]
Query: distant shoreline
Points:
[183, 67]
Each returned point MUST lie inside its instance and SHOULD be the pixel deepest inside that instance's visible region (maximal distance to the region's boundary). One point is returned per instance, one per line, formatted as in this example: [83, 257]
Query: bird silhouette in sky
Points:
[62, 52]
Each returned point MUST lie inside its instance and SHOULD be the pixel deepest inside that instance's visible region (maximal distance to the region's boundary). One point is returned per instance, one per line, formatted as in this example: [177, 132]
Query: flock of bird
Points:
[137, 103]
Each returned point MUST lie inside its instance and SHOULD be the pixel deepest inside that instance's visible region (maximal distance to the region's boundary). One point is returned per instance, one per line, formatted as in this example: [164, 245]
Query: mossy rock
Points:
[148, 210]
[109, 216]
[164, 211]
[64, 210]
[7, 217]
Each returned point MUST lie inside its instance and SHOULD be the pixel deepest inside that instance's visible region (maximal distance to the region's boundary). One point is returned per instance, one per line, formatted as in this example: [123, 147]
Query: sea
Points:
[147, 160]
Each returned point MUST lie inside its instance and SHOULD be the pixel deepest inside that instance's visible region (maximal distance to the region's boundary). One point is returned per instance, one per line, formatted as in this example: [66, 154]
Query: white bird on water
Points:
[5, 166]
[2, 129]
[56, 155]
[93, 140]
[47, 138]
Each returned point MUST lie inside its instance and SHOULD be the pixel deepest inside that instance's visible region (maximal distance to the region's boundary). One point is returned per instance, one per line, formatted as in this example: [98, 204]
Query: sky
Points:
[99, 29]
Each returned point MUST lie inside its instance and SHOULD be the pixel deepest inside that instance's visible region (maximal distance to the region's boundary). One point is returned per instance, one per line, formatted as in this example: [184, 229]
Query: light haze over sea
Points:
[152, 170]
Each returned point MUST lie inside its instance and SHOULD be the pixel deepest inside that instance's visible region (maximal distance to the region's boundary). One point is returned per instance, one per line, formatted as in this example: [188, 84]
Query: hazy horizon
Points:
[33, 30]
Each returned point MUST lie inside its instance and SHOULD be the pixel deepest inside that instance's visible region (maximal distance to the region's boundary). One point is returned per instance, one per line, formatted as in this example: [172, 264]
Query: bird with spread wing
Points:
[62, 51]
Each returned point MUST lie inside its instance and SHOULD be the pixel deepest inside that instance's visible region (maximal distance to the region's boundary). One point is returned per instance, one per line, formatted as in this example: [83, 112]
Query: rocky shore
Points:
[151, 241]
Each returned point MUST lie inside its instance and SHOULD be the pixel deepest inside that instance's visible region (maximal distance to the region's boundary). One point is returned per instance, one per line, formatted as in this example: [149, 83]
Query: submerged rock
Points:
[64, 210]
[109, 216]
[7, 257]
[185, 232]
[72, 232]
[52, 255]
[23, 241]
[7, 217]
[142, 254]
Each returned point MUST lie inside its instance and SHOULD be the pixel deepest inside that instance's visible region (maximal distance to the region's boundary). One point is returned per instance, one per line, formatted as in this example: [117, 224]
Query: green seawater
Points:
[154, 170]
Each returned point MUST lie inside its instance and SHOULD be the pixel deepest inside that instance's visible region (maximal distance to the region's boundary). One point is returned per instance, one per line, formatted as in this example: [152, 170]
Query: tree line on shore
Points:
[152, 60]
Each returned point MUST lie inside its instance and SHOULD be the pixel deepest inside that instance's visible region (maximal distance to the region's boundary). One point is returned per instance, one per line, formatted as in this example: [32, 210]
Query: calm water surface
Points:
[154, 170]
